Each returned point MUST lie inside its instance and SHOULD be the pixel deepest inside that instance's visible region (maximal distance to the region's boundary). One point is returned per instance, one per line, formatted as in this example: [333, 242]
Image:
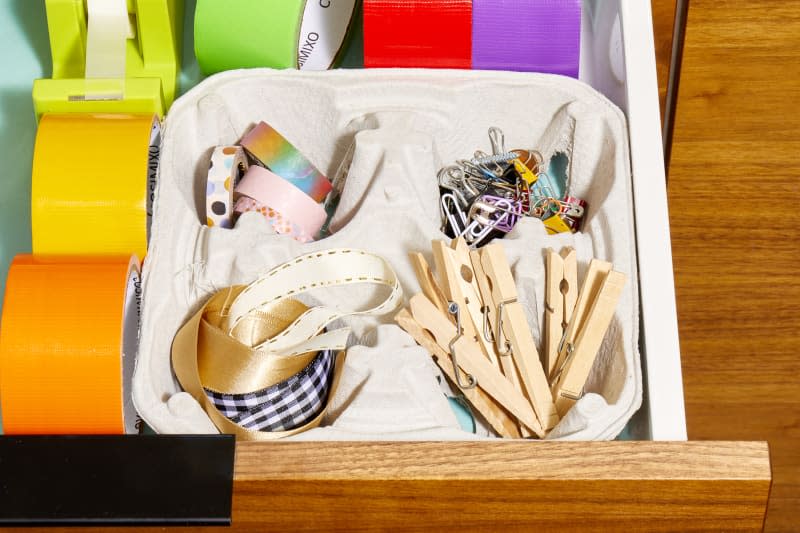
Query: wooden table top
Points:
[734, 186]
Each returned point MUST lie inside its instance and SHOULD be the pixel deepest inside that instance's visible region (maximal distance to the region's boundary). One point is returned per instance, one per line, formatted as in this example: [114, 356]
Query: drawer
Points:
[649, 476]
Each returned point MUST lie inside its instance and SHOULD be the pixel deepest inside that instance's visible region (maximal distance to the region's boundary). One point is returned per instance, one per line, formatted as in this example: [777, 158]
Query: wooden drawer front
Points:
[486, 486]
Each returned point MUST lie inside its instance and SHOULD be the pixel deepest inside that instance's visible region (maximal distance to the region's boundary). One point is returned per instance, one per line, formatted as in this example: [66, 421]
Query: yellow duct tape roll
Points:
[93, 183]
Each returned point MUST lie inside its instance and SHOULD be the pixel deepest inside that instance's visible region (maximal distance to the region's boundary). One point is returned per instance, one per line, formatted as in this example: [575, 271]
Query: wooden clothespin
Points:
[459, 285]
[434, 293]
[510, 370]
[561, 293]
[427, 281]
[498, 418]
[466, 356]
[592, 315]
[513, 325]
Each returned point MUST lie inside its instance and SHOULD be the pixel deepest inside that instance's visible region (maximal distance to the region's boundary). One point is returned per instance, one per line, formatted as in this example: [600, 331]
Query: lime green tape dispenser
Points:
[111, 56]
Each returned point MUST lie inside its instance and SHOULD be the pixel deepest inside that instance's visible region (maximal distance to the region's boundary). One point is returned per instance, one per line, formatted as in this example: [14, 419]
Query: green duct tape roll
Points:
[232, 34]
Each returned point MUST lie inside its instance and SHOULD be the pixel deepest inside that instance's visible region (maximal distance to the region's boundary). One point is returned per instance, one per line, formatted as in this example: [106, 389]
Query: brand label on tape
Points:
[153, 153]
[322, 33]
[131, 320]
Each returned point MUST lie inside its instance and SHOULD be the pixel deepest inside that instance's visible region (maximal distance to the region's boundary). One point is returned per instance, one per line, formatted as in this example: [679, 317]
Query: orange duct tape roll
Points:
[68, 345]
[94, 179]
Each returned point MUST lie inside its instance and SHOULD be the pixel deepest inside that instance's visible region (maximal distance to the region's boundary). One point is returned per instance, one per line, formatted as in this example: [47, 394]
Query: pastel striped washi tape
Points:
[278, 194]
[272, 150]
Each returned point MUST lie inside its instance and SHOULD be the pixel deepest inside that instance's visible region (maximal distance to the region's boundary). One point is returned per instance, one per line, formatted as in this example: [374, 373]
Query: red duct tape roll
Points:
[418, 33]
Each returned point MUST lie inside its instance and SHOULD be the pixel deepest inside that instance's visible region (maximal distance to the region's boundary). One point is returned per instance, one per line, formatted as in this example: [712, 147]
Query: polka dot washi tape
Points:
[279, 223]
[228, 165]
[281, 196]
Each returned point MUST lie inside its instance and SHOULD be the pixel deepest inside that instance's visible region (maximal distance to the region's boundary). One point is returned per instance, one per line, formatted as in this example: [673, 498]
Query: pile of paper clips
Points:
[484, 197]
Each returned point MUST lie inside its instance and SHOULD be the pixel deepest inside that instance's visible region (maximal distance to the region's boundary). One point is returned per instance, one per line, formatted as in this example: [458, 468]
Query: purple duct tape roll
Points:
[527, 35]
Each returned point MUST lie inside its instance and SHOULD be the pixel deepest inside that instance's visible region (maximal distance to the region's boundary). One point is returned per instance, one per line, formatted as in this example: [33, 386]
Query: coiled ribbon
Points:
[246, 339]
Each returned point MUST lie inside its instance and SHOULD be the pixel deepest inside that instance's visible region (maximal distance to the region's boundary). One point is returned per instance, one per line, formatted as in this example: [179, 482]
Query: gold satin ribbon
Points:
[204, 356]
[245, 339]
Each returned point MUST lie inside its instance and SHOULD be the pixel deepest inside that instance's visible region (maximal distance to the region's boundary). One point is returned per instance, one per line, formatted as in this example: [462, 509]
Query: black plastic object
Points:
[120, 480]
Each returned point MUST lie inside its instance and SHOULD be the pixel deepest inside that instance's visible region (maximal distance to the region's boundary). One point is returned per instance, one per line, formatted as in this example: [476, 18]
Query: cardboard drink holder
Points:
[404, 126]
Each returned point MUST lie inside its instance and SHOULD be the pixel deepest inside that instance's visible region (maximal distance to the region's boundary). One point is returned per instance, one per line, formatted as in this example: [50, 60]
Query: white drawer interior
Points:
[618, 59]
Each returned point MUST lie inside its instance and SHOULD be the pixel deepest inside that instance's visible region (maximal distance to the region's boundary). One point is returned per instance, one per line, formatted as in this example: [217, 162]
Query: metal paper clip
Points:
[484, 159]
[454, 310]
[496, 186]
[571, 210]
[545, 207]
[476, 170]
[489, 163]
[452, 179]
[498, 140]
[476, 233]
[452, 213]
[507, 212]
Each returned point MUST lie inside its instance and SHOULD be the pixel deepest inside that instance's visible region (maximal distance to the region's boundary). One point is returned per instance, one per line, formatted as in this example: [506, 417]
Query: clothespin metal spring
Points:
[454, 310]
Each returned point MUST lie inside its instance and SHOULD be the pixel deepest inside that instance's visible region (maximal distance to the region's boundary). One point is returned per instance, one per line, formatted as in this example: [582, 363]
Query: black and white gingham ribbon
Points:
[285, 405]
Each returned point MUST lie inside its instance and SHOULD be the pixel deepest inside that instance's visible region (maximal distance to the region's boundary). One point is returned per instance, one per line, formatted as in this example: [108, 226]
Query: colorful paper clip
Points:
[497, 190]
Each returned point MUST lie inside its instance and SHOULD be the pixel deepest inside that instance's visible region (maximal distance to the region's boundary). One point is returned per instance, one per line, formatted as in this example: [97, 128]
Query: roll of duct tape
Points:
[305, 34]
[68, 344]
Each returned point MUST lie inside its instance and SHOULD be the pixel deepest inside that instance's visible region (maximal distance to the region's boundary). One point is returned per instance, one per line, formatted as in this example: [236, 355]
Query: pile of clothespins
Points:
[475, 328]
[484, 197]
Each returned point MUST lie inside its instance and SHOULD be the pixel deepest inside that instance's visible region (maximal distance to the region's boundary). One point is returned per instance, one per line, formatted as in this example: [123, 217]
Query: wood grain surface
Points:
[663, 21]
[492, 486]
[733, 191]
[517, 485]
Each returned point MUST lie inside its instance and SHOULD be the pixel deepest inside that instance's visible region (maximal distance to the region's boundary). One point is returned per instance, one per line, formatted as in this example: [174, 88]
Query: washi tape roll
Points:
[418, 33]
[272, 150]
[270, 190]
[527, 35]
[228, 165]
[94, 179]
[278, 222]
[232, 34]
[68, 343]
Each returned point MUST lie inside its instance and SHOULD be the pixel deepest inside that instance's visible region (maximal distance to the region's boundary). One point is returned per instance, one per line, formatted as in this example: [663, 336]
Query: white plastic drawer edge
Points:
[618, 59]
[659, 314]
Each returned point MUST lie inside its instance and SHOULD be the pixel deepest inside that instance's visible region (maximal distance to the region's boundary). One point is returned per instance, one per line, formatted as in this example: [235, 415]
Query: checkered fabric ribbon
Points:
[285, 405]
